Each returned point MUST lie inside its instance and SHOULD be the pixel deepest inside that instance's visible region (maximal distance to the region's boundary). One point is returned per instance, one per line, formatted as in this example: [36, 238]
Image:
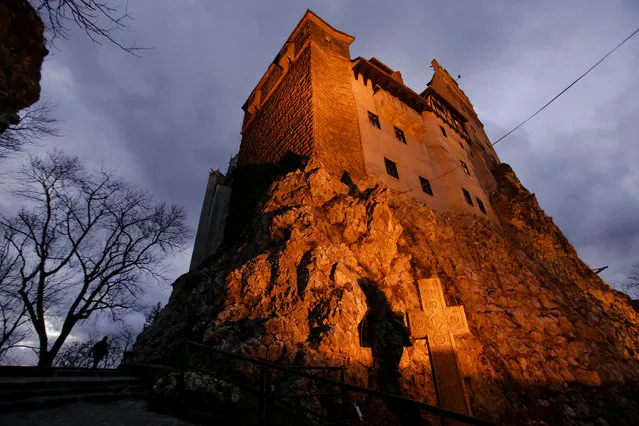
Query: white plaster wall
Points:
[427, 152]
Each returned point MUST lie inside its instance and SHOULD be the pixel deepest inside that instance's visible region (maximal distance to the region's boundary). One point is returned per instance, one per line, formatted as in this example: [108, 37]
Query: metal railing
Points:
[334, 401]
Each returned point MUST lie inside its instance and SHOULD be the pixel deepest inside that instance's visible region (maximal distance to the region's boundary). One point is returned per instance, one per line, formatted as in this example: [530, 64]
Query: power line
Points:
[569, 86]
[543, 107]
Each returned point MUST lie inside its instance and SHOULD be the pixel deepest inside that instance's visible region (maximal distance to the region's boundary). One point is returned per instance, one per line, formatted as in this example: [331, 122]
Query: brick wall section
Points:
[271, 80]
[337, 136]
[300, 37]
[284, 122]
[311, 110]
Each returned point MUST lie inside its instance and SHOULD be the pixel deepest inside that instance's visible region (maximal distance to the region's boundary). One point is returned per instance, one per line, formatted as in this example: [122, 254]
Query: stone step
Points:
[40, 402]
[24, 394]
[14, 383]
[18, 371]
[33, 392]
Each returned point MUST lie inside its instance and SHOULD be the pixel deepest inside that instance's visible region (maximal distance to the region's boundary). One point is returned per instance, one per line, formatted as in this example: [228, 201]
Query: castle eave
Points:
[381, 78]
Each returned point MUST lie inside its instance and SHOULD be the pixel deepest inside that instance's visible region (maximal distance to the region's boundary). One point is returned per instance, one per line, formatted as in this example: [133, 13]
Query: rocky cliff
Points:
[326, 272]
[22, 50]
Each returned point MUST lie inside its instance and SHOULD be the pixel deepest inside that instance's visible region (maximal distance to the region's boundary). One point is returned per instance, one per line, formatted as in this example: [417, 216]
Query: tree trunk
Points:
[57, 345]
[45, 359]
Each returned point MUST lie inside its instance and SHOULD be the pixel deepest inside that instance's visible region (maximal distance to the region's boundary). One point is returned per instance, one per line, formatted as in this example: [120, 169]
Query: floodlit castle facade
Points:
[357, 116]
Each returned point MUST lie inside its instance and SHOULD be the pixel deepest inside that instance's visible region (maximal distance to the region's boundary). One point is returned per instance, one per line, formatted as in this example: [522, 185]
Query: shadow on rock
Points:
[384, 332]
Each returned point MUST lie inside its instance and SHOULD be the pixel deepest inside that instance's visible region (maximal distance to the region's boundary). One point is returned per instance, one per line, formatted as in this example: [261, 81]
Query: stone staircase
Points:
[30, 388]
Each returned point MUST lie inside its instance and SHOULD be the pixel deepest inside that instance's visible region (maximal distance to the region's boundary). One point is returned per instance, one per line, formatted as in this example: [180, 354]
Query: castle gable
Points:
[445, 86]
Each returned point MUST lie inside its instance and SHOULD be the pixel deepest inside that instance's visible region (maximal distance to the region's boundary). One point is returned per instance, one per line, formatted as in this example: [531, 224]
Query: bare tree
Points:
[119, 345]
[13, 316]
[32, 124]
[85, 245]
[630, 284]
[99, 19]
[152, 314]
[78, 353]
[74, 354]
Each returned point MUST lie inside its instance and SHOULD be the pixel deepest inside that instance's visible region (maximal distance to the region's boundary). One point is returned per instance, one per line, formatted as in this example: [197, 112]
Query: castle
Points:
[402, 251]
[357, 116]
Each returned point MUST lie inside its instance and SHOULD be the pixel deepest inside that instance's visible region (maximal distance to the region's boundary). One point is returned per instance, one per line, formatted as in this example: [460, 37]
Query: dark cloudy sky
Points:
[164, 119]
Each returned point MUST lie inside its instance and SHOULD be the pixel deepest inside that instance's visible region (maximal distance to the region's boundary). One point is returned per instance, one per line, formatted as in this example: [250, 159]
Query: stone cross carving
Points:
[439, 324]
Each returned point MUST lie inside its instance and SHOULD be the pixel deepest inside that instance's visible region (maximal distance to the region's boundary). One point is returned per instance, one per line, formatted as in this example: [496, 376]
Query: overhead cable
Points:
[568, 87]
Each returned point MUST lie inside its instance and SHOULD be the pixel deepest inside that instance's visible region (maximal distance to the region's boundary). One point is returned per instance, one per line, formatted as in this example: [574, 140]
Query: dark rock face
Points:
[325, 273]
[22, 50]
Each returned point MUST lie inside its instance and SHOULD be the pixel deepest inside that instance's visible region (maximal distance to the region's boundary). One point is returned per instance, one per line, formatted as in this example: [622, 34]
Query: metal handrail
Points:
[264, 387]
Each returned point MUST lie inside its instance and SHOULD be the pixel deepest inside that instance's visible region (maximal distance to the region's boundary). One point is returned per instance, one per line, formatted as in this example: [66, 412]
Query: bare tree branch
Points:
[630, 284]
[87, 245]
[35, 123]
[97, 18]
[77, 353]
[152, 314]
[13, 318]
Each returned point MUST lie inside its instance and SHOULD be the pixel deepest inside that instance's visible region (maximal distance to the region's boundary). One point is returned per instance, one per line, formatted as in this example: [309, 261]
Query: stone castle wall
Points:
[338, 143]
[426, 153]
[210, 230]
[284, 121]
[306, 106]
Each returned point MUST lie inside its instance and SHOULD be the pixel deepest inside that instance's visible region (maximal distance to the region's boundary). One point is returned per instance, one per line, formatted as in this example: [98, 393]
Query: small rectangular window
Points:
[374, 120]
[442, 129]
[399, 134]
[467, 196]
[391, 168]
[426, 185]
[465, 167]
[481, 205]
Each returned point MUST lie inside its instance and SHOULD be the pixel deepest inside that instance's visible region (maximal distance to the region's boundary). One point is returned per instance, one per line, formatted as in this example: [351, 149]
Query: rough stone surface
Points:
[325, 273]
[22, 51]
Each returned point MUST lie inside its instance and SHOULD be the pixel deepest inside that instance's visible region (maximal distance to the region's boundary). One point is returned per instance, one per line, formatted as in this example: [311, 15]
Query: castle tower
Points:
[210, 229]
[304, 103]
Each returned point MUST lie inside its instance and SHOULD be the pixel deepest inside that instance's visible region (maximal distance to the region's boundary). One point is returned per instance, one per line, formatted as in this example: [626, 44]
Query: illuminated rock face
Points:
[325, 274]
